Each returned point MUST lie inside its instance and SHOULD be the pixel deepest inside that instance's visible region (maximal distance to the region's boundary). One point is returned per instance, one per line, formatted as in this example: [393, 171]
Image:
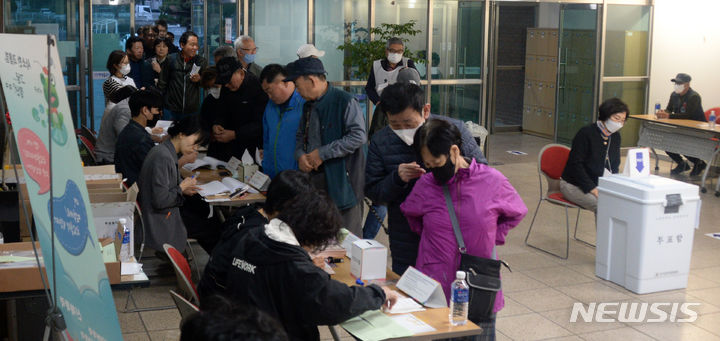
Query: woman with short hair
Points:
[485, 203]
[272, 268]
[595, 152]
[162, 191]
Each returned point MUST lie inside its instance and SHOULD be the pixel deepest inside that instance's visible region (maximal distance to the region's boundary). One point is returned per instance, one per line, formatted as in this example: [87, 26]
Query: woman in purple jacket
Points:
[485, 203]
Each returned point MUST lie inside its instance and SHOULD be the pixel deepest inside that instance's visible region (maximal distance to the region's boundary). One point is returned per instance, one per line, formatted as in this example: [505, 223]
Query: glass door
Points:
[110, 28]
[576, 88]
[222, 24]
[625, 64]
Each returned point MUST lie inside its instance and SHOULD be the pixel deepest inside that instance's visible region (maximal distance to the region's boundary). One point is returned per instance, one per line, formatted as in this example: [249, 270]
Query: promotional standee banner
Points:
[83, 290]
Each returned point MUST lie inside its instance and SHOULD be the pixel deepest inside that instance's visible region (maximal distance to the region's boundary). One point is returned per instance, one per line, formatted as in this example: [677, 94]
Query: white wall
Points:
[686, 38]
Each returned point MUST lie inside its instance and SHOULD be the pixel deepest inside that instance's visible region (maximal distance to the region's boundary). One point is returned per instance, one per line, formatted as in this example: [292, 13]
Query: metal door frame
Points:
[493, 66]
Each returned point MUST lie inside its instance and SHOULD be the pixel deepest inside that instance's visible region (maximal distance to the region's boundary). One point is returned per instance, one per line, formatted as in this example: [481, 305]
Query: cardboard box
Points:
[369, 259]
[27, 278]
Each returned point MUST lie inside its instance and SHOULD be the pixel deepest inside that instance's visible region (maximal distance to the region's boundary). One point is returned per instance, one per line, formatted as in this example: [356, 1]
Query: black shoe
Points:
[698, 168]
[681, 167]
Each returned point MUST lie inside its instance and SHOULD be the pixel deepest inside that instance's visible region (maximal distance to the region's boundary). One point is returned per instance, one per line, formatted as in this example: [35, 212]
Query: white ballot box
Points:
[369, 259]
[645, 228]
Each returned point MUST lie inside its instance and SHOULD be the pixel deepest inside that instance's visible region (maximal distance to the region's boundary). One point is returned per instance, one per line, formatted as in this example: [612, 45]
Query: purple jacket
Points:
[487, 207]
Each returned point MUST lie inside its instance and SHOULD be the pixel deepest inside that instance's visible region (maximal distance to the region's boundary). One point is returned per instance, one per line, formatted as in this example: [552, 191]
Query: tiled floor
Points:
[541, 290]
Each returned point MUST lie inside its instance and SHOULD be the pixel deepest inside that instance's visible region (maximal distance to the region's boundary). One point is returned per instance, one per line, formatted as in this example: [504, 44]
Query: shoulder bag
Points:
[482, 274]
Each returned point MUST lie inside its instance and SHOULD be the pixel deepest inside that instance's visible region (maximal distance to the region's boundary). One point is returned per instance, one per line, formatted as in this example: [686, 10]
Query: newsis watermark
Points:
[633, 312]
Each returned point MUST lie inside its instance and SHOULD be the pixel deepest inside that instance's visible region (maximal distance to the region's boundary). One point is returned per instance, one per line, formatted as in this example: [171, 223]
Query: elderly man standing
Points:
[246, 53]
[393, 166]
[329, 139]
[280, 120]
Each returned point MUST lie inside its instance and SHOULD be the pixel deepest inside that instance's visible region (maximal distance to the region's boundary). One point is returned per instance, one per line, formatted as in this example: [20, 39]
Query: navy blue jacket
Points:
[384, 186]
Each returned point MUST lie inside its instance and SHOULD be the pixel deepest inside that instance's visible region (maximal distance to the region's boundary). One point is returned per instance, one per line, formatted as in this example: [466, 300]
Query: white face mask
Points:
[215, 92]
[394, 57]
[125, 69]
[613, 126]
[406, 135]
[679, 88]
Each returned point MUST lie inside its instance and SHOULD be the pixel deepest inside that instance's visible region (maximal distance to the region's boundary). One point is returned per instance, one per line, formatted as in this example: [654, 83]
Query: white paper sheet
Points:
[412, 323]
[405, 305]
[130, 268]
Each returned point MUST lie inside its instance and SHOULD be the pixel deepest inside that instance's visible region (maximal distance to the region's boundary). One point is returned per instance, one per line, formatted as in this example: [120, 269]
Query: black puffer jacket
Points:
[281, 280]
[384, 186]
[181, 94]
[214, 279]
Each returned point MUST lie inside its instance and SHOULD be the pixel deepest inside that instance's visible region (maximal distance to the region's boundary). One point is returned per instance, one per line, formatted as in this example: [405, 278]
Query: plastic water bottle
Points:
[2, 239]
[125, 247]
[459, 299]
[712, 119]
[657, 108]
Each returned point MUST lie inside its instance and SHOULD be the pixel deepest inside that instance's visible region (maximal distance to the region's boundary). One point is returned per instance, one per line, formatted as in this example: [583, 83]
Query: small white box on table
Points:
[369, 259]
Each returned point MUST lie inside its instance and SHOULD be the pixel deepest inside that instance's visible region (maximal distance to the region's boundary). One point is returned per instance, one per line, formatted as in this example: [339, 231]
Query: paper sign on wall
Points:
[637, 163]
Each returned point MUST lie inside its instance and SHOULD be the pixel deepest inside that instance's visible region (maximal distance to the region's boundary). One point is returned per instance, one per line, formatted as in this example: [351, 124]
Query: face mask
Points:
[125, 69]
[249, 58]
[406, 135]
[444, 173]
[613, 126]
[394, 57]
[215, 92]
[679, 88]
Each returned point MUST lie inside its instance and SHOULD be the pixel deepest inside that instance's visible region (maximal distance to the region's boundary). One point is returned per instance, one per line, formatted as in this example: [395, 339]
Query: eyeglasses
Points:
[253, 50]
[396, 51]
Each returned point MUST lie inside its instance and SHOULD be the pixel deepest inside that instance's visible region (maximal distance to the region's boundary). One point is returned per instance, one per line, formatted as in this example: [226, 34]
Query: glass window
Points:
[333, 30]
[460, 101]
[402, 12]
[457, 39]
[626, 40]
[633, 94]
[279, 28]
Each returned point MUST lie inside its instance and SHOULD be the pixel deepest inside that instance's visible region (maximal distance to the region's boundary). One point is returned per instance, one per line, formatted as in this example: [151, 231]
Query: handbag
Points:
[482, 274]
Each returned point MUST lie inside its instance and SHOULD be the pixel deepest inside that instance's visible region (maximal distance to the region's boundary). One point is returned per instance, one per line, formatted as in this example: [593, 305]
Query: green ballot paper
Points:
[374, 325]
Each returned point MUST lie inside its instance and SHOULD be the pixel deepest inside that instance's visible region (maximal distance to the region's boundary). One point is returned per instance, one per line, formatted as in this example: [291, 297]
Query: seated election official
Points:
[485, 203]
[134, 142]
[595, 151]
[272, 270]
[163, 193]
[685, 103]
[284, 188]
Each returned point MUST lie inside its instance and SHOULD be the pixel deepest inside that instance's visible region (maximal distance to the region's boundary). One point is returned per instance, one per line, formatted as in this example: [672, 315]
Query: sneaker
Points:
[698, 168]
[680, 168]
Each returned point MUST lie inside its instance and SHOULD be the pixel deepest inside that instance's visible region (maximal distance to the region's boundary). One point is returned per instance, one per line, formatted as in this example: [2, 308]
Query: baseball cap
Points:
[681, 78]
[408, 75]
[304, 66]
[309, 50]
[225, 69]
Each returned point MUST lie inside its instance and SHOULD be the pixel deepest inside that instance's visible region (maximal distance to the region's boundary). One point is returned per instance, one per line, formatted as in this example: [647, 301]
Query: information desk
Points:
[437, 317]
[685, 137]
[208, 175]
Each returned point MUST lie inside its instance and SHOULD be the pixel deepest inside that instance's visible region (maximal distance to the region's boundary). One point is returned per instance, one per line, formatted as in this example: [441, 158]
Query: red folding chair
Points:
[551, 163]
[183, 273]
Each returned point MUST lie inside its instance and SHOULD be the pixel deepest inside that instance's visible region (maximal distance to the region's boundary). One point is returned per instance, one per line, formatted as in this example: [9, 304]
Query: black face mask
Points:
[443, 173]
